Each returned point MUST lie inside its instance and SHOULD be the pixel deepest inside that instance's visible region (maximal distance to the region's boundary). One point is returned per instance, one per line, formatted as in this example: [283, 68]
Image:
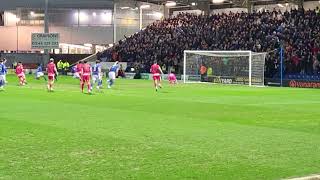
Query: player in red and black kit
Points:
[52, 72]
[86, 73]
[156, 72]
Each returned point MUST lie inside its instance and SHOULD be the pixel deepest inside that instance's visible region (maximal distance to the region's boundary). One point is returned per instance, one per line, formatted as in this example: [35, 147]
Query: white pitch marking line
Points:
[311, 177]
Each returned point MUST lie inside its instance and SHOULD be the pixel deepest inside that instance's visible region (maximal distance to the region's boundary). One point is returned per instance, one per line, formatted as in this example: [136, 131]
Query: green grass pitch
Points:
[193, 131]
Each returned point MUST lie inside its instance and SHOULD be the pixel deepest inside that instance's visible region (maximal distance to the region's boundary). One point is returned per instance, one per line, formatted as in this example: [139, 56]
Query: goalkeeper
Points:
[203, 72]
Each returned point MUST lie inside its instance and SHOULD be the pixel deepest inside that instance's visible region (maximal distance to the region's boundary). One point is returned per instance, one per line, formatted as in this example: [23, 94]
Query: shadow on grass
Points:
[164, 92]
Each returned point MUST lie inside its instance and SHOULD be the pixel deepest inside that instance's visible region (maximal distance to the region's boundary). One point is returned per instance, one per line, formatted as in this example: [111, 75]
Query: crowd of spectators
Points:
[297, 31]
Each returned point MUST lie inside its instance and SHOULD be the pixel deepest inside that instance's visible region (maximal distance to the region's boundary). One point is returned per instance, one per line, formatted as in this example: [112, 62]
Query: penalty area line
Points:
[310, 177]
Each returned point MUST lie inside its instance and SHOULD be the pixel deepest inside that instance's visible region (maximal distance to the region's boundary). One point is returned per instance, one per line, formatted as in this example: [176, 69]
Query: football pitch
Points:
[192, 131]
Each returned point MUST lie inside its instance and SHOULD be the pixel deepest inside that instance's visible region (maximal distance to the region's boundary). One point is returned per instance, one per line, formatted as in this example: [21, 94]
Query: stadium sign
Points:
[130, 75]
[193, 77]
[293, 83]
[164, 76]
[245, 80]
[45, 40]
[219, 79]
[146, 76]
[303, 84]
[231, 80]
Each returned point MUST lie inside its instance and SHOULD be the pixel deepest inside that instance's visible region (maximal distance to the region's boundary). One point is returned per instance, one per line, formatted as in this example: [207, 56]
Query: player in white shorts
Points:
[39, 73]
[112, 74]
[97, 75]
[76, 71]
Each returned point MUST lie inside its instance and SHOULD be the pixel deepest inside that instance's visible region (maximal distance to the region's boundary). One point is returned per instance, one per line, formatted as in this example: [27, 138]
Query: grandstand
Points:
[296, 31]
[131, 127]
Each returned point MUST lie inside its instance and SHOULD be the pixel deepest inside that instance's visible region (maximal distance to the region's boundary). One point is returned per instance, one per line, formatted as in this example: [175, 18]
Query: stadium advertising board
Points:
[232, 80]
[193, 77]
[272, 82]
[130, 75]
[302, 84]
[294, 83]
[45, 40]
[143, 75]
[146, 76]
[245, 80]
[164, 76]
[218, 79]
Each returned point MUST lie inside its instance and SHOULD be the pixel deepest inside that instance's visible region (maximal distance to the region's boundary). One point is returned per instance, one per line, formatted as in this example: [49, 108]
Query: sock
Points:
[89, 89]
[82, 86]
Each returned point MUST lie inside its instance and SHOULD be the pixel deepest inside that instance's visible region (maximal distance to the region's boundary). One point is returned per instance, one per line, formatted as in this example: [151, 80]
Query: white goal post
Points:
[226, 67]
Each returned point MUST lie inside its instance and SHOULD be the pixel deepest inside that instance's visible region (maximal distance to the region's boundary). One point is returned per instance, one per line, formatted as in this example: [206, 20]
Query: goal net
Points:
[226, 67]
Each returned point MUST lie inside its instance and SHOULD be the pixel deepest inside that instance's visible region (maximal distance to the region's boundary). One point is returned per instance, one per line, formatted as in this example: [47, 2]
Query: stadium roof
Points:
[86, 4]
[237, 3]
[106, 4]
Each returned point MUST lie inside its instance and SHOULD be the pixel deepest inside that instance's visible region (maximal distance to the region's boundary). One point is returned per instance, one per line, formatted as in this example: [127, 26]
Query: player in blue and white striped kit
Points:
[3, 72]
[39, 73]
[112, 74]
[97, 75]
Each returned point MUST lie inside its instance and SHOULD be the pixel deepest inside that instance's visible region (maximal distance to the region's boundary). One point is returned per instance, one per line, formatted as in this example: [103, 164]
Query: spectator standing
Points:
[164, 68]
[315, 66]
[60, 66]
[121, 72]
[66, 67]
[209, 72]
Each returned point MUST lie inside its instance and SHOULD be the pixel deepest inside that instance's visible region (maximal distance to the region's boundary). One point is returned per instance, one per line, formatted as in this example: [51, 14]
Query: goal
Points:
[226, 67]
